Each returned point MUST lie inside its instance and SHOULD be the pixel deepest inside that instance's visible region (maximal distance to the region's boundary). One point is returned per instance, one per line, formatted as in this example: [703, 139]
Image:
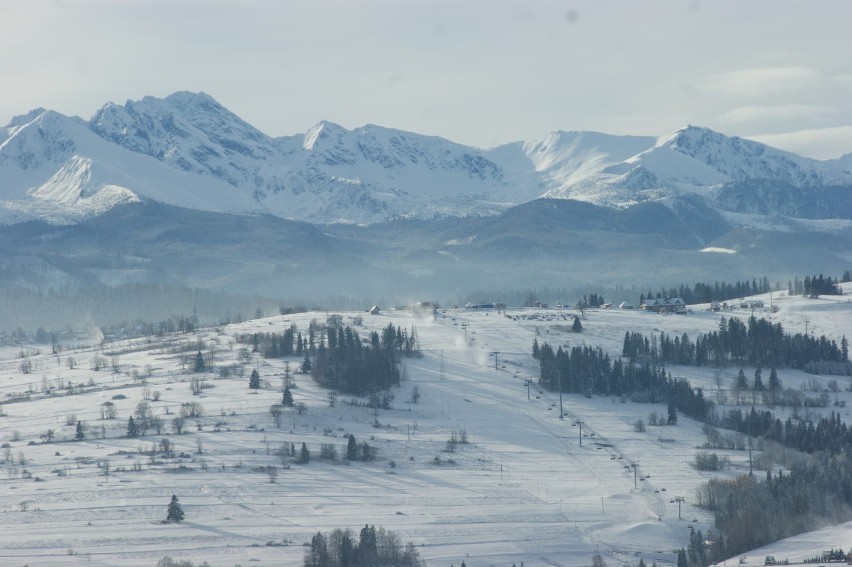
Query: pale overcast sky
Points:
[481, 72]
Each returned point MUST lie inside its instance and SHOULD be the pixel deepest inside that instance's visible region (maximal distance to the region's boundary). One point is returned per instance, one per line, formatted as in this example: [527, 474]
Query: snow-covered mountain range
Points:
[188, 150]
[158, 190]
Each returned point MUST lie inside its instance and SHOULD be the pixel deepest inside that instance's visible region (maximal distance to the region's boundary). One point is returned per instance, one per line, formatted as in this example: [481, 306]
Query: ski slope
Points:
[526, 487]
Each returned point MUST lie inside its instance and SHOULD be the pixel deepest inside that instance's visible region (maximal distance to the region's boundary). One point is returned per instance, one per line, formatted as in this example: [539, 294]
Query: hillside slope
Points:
[519, 485]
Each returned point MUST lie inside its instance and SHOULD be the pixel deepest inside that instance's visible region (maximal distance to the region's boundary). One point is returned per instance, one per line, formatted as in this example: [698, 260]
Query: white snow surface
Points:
[55, 167]
[187, 149]
[698, 160]
[523, 488]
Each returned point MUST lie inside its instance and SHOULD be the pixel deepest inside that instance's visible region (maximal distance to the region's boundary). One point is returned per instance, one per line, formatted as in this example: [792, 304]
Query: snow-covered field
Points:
[526, 487]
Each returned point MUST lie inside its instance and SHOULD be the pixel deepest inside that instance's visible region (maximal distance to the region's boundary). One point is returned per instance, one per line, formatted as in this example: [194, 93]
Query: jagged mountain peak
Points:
[329, 174]
[739, 159]
[188, 99]
[692, 132]
[693, 140]
[189, 131]
[373, 173]
[23, 119]
[182, 115]
[39, 138]
[322, 130]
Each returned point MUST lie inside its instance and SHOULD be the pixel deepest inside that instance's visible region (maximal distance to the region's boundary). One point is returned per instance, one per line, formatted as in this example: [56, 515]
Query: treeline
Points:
[342, 362]
[829, 434]
[798, 502]
[174, 324]
[702, 292]
[373, 547]
[590, 371]
[760, 343]
[706, 292]
[593, 295]
[817, 285]
[337, 357]
[804, 499]
[276, 345]
[528, 296]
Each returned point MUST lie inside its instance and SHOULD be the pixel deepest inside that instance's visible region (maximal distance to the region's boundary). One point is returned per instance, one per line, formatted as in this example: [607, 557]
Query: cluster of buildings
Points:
[664, 305]
[658, 305]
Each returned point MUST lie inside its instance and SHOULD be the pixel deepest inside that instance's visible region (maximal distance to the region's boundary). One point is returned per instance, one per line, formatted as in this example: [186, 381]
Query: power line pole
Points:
[580, 423]
[495, 353]
[635, 468]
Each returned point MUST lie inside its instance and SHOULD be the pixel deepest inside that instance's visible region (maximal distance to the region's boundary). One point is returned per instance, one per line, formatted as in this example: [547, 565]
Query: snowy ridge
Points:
[329, 174]
[72, 192]
[739, 159]
[55, 168]
[187, 149]
[700, 161]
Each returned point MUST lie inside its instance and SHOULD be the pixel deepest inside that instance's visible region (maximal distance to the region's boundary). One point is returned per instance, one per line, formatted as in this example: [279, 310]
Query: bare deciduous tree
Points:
[276, 411]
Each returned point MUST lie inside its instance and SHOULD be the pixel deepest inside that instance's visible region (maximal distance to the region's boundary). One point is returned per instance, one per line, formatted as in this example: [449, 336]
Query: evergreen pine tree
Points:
[672, 414]
[367, 546]
[351, 449]
[306, 364]
[757, 386]
[758, 380]
[199, 362]
[305, 455]
[774, 386]
[318, 554]
[577, 326]
[132, 429]
[348, 550]
[254, 381]
[175, 512]
[80, 432]
[740, 384]
[287, 398]
[774, 382]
